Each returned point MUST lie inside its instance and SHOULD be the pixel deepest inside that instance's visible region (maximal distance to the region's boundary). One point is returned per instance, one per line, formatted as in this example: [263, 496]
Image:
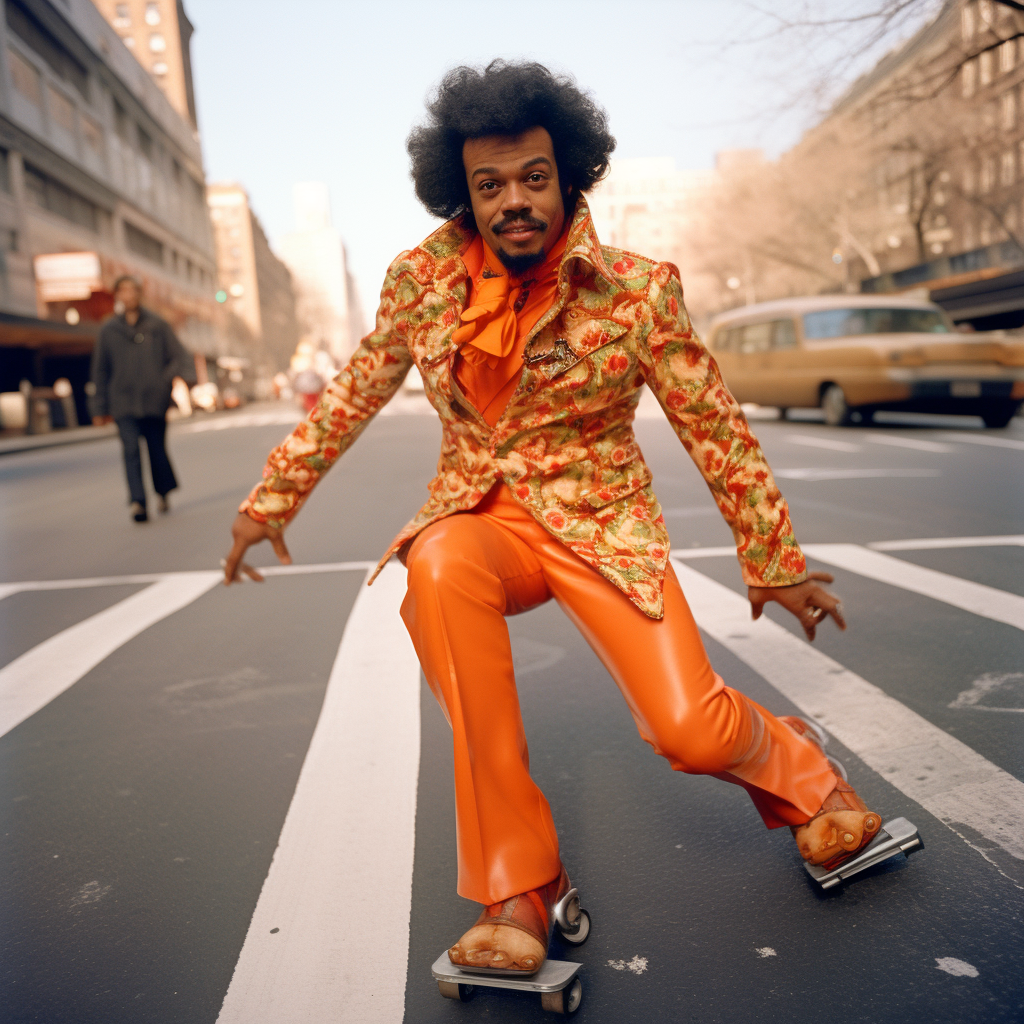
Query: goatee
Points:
[519, 265]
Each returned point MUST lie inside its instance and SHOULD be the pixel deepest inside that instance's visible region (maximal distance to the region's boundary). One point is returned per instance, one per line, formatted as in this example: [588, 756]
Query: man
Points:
[533, 341]
[136, 359]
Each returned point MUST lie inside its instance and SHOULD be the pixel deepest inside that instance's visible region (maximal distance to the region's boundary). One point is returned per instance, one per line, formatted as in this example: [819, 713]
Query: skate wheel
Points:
[456, 990]
[565, 1001]
[579, 936]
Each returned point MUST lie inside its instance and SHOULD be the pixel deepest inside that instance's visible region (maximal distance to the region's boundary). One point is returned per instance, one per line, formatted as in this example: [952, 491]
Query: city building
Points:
[646, 205]
[158, 33]
[927, 151]
[254, 287]
[328, 299]
[100, 175]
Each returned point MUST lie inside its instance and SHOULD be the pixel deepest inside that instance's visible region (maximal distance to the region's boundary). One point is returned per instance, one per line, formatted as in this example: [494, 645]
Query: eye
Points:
[536, 177]
[487, 186]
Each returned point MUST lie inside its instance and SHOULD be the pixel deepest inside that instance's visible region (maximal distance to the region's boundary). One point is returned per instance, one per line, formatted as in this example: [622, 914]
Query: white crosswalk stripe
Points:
[998, 605]
[31, 681]
[945, 776]
[331, 928]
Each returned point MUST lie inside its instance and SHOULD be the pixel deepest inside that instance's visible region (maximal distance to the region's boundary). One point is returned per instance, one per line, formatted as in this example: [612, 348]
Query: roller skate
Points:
[508, 947]
[845, 838]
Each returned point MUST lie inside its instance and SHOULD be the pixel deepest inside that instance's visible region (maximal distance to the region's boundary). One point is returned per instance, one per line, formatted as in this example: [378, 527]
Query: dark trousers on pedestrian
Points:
[153, 429]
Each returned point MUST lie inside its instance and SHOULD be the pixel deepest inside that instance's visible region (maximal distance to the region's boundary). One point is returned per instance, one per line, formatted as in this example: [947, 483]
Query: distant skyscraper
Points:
[315, 254]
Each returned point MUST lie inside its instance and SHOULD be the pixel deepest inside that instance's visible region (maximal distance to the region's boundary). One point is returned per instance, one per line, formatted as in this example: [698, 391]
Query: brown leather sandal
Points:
[511, 936]
[844, 824]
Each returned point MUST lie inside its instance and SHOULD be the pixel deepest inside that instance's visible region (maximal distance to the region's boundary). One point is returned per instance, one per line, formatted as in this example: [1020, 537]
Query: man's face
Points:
[516, 196]
[127, 295]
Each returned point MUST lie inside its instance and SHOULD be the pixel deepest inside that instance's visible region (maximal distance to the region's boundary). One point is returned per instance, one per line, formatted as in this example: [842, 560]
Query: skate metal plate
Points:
[896, 836]
[552, 977]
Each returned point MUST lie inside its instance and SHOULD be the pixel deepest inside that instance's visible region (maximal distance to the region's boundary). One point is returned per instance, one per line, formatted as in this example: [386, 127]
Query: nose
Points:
[516, 199]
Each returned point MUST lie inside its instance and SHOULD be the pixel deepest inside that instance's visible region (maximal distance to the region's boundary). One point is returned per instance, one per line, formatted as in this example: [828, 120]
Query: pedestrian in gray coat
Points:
[136, 358]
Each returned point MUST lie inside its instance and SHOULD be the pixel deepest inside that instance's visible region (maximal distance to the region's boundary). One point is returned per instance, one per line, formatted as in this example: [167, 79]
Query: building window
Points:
[92, 134]
[142, 243]
[160, 68]
[145, 145]
[967, 22]
[968, 79]
[46, 193]
[62, 112]
[122, 123]
[985, 11]
[123, 17]
[157, 43]
[5, 172]
[969, 179]
[1008, 110]
[129, 41]
[25, 78]
[1007, 168]
[152, 14]
[988, 174]
[985, 68]
[1007, 55]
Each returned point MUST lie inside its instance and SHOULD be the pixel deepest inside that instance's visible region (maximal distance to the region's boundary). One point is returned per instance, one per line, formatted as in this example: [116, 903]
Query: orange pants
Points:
[466, 573]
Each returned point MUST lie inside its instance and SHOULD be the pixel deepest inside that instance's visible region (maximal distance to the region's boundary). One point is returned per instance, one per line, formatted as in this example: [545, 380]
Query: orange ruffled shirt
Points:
[493, 332]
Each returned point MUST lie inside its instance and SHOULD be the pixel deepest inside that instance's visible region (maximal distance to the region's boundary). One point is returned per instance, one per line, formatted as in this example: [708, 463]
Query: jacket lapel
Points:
[561, 341]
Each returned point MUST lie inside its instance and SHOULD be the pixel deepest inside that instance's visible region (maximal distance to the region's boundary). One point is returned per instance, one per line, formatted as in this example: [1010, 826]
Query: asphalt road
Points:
[161, 741]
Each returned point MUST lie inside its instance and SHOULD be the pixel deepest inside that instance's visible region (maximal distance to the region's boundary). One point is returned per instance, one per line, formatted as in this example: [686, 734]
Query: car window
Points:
[756, 337]
[843, 323]
[783, 334]
[727, 339]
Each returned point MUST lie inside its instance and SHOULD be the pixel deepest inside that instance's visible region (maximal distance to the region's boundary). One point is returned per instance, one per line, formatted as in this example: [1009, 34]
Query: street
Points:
[212, 813]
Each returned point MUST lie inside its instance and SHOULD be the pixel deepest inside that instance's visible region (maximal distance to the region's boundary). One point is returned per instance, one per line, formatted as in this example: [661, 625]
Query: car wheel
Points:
[833, 404]
[999, 416]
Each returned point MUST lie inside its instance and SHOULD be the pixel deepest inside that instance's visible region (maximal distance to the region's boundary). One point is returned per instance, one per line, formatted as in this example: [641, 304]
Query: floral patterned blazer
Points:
[564, 444]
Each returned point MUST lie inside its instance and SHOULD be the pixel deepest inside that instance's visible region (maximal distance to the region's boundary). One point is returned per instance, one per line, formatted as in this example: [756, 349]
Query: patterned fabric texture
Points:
[564, 444]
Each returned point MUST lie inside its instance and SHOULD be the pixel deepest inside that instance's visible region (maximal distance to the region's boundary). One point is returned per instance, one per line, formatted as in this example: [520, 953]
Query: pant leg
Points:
[128, 428]
[681, 707]
[466, 574]
[154, 429]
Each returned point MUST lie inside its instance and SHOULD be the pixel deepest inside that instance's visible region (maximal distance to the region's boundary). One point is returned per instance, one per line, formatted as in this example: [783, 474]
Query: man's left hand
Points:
[809, 602]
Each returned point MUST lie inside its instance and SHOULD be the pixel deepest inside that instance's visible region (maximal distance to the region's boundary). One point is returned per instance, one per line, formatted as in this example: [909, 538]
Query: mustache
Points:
[518, 222]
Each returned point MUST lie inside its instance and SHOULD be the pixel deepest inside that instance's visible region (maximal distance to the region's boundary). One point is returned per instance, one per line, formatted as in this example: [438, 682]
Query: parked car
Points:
[852, 355]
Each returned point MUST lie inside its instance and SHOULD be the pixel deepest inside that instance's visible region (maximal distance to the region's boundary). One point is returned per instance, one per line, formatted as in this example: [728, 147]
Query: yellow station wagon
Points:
[851, 355]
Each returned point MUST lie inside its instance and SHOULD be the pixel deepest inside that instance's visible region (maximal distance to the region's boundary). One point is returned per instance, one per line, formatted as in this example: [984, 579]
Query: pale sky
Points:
[327, 90]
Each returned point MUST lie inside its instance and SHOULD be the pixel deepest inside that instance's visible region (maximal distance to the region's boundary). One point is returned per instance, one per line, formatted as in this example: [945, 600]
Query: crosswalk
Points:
[345, 853]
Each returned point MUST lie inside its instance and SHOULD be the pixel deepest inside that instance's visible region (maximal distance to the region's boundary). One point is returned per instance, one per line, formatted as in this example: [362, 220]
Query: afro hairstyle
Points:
[505, 98]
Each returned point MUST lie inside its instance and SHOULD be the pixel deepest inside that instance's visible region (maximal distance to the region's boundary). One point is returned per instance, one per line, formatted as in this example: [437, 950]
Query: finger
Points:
[230, 564]
[756, 607]
[280, 549]
[821, 577]
[809, 619]
[837, 613]
[253, 574]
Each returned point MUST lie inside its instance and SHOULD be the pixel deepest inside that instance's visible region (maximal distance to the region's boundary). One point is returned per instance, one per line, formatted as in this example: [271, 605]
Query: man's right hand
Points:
[246, 532]
[102, 421]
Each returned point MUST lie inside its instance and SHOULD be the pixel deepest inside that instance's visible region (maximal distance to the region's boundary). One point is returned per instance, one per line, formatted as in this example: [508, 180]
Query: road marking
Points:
[816, 474]
[908, 442]
[998, 605]
[280, 417]
[32, 680]
[946, 777]
[1002, 686]
[155, 577]
[329, 938]
[995, 442]
[810, 441]
[939, 543]
[958, 968]
[703, 552]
